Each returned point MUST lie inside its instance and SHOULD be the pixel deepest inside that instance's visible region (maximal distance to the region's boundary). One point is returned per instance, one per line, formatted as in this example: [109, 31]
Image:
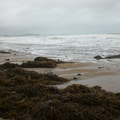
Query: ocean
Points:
[64, 47]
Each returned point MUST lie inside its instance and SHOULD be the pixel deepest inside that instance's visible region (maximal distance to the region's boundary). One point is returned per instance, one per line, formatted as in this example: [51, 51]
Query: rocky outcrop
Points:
[112, 56]
[39, 62]
[98, 57]
[48, 60]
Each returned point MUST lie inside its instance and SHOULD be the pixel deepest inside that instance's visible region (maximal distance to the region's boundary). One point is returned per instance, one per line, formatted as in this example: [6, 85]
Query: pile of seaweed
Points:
[38, 62]
[18, 76]
[27, 95]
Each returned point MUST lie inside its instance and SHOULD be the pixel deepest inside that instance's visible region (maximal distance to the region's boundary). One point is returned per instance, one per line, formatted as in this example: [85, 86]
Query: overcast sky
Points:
[59, 16]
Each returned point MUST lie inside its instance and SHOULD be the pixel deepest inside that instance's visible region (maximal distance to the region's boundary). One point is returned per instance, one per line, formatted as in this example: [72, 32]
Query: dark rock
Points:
[74, 78]
[98, 57]
[7, 59]
[112, 56]
[39, 62]
[50, 73]
[79, 74]
[48, 60]
[5, 52]
[53, 88]
[43, 59]
[100, 67]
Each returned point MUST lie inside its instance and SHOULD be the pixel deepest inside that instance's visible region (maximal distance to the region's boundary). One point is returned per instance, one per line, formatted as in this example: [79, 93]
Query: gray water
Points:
[65, 47]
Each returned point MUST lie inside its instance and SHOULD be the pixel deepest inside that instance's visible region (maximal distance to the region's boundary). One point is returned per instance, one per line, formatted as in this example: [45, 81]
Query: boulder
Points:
[98, 57]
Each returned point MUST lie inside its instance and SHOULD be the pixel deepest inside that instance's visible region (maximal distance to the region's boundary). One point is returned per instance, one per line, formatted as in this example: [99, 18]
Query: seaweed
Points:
[38, 62]
[19, 76]
[41, 62]
[28, 95]
[8, 65]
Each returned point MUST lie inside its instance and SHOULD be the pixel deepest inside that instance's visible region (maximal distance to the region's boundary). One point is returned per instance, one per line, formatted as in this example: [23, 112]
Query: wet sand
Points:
[110, 83]
[90, 74]
[16, 57]
[104, 74]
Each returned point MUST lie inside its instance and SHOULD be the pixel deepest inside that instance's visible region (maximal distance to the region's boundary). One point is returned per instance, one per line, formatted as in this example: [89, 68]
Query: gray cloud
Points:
[59, 16]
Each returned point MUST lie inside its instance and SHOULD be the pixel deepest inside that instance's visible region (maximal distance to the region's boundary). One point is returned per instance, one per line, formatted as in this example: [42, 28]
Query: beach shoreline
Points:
[74, 71]
[73, 87]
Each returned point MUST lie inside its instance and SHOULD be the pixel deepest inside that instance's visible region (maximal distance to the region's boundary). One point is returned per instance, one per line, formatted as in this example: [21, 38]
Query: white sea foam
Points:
[65, 47]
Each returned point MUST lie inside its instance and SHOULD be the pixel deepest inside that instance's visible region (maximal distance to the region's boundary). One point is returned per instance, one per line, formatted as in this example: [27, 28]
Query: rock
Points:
[42, 59]
[112, 56]
[98, 57]
[5, 52]
[79, 74]
[53, 89]
[7, 59]
[100, 67]
[50, 73]
[74, 78]
[48, 60]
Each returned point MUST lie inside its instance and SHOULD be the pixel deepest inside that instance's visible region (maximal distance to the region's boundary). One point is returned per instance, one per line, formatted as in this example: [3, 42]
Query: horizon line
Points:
[35, 34]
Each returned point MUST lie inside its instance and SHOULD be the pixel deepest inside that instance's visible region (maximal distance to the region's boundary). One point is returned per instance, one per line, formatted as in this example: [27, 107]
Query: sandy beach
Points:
[70, 87]
[59, 60]
[104, 74]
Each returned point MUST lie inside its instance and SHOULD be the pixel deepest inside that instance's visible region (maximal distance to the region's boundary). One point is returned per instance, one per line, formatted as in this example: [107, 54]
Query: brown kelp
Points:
[27, 95]
[19, 76]
[8, 65]
[41, 62]
[38, 62]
